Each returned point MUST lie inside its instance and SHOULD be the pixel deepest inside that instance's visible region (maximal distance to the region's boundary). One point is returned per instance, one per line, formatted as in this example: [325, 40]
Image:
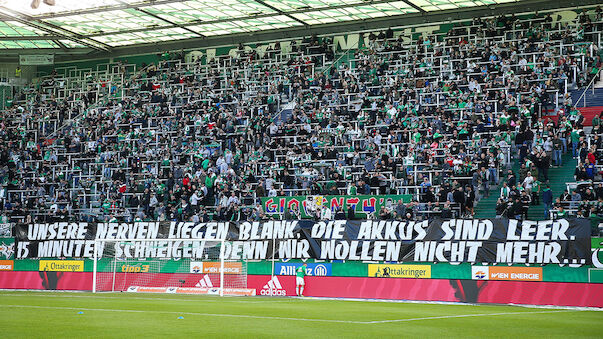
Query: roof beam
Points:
[53, 29]
[249, 17]
[31, 37]
[281, 12]
[108, 8]
[411, 4]
[73, 54]
[164, 20]
[61, 45]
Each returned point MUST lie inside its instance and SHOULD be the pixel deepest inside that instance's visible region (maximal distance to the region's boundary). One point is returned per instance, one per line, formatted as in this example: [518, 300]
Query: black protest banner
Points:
[473, 240]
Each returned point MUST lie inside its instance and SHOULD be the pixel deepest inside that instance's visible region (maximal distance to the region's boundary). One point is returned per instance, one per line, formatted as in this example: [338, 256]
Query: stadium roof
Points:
[73, 29]
[105, 24]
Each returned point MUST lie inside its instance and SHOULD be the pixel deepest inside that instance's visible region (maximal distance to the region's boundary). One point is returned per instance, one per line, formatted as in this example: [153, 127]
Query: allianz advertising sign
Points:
[313, 269]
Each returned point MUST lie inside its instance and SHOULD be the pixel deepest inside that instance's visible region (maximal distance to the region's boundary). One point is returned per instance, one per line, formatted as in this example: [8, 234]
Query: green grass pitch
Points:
[125, 315]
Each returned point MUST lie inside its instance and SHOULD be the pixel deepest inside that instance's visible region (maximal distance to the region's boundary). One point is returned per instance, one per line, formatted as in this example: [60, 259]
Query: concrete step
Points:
[486, 208]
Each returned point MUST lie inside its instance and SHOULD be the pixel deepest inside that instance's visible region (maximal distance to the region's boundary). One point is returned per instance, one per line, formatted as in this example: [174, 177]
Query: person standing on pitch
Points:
[300, 282]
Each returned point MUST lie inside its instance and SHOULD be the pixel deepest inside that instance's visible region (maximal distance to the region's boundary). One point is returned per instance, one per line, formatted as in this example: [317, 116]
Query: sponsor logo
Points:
[273, 287]
[205, 282]
[318, 270]
[506, 273]
[7, 248]
[399, 271]
[137, 268]
[195, 290]
[229, 267]
[597, 258]
[62, 265]
[196, 267]
[191, 290]
[214, 291]
[480, 272]
[214, 267]
[597, 250]
[7, 265]
[516, 273]
[144, 289]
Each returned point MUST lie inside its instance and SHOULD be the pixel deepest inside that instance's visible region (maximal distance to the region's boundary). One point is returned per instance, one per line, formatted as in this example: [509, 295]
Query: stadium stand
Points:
[482, 111]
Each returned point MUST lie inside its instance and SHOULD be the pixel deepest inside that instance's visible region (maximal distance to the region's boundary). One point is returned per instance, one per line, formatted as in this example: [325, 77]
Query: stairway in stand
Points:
[558, 177]
[486, 208]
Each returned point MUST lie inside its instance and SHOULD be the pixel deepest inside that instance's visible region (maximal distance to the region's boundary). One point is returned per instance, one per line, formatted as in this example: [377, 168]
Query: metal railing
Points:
[591, 83]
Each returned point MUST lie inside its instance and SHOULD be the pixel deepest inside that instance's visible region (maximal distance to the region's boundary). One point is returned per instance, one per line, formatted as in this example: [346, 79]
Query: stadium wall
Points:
[447, 290]
[450, 290]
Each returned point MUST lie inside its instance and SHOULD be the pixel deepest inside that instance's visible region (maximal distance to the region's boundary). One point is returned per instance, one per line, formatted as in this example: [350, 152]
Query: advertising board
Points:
[62, 265]
[313, 269]
[7, 265]
[516, 273]
[399, 271]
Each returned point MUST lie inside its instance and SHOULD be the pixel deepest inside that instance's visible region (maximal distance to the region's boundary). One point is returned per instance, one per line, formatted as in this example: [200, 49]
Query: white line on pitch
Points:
[462, 316]
[282, 318]
[138, 298]
[190, 313]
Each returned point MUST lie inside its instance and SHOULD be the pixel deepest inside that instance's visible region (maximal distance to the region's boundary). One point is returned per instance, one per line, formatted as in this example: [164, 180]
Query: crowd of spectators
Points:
[440, 118]
[531, 186]
[584, 198]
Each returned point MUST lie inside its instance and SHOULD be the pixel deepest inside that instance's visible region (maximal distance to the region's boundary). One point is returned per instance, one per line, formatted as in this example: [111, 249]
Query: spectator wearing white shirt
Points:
[528, 183]
[233, 199]
[228, 156]
[325, 213]
[269, 183]
[392, 112]
[273, 129]
[195, 201]
[224, 201]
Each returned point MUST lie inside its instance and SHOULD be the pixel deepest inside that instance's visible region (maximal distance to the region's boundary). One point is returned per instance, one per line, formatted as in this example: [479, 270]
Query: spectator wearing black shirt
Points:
[526, 200]
[469, 201]
[459, 198]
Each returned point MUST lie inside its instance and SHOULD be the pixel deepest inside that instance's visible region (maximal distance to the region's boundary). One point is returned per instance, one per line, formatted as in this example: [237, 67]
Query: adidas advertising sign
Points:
[316, 270]
[205, 282]
[273, 287]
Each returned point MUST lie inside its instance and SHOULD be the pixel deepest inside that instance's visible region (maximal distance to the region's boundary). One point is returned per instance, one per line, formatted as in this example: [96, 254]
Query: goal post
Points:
[168, 266]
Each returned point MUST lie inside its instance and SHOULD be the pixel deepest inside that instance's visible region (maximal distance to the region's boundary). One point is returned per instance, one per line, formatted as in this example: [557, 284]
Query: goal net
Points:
[168, 266]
